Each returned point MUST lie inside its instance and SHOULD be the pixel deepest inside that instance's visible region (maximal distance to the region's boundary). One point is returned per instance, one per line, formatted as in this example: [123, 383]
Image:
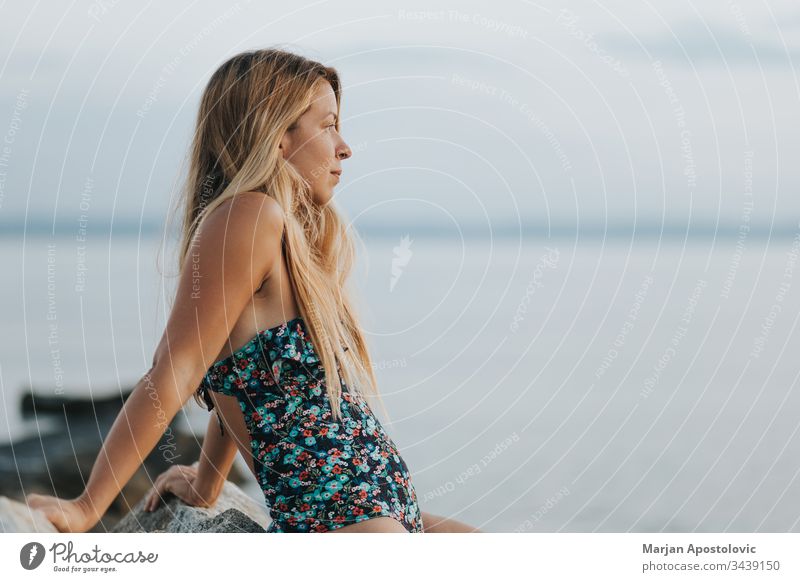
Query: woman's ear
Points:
[285, 144]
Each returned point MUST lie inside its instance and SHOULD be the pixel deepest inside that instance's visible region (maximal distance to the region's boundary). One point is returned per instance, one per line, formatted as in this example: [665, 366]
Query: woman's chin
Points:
[323, 199]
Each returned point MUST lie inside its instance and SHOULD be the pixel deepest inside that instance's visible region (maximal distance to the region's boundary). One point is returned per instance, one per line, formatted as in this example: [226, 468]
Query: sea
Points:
[535, 380]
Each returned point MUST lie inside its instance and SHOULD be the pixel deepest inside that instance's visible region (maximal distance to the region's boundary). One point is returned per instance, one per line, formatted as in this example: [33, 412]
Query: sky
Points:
[459, 114]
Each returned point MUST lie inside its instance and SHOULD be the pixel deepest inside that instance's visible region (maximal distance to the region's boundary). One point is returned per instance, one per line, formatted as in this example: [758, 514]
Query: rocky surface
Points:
[234, 512]
[57, 457]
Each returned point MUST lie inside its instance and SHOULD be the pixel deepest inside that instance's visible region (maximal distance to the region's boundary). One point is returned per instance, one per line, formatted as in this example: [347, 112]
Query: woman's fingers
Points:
[162, 486]
[163, 476]
[176, 480]
[154, 496]
[52, 509]
[152, 502]
[158, 489]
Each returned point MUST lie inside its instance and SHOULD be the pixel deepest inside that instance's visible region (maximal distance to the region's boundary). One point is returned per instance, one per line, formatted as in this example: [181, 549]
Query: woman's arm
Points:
[147, 412]
[200, 483]
[231, 254]
[216, 459]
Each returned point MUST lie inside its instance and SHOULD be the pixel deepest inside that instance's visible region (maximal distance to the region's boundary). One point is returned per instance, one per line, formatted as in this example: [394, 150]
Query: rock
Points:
[59, 464]
[234, 512]
[34, 404]
[58, 457]
[16, 517]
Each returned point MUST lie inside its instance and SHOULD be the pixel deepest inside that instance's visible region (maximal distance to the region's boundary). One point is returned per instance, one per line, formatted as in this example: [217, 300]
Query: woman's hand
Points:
[67, 515]
[181, 481]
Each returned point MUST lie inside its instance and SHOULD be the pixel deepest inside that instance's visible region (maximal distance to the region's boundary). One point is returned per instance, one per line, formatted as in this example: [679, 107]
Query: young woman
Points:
[262, 328]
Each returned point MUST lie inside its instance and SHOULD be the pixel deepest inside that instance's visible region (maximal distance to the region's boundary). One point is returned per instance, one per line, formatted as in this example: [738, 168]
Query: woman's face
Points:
[314, 147]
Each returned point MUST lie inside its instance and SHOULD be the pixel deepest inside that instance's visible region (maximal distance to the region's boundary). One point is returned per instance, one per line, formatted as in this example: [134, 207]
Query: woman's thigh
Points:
[382, 524]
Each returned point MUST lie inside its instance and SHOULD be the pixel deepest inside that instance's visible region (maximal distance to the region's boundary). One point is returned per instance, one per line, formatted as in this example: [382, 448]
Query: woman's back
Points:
[273, 302]
[316, 473]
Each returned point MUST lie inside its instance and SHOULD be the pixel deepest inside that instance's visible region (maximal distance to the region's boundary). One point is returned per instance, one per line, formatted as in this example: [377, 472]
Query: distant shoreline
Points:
[64, 228]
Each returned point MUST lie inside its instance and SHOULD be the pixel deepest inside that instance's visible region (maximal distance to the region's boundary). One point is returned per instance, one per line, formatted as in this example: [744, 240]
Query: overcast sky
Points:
[459, 113]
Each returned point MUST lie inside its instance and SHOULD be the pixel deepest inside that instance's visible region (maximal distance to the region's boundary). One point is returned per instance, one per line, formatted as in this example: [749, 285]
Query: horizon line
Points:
[126, 228]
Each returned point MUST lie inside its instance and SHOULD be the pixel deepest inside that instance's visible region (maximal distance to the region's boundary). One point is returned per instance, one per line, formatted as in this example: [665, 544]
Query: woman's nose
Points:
[344, 151]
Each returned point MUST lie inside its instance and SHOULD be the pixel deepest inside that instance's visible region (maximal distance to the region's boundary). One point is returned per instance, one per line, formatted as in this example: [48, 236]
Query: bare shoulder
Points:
[246, 218]
[249, 208]
[250, 201]
[235, 248]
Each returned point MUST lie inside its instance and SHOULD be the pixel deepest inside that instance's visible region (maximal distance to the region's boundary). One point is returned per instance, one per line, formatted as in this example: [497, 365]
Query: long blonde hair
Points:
[247, 105]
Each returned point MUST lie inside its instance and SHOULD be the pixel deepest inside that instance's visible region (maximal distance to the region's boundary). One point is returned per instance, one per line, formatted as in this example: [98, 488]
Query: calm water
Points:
[561, 385]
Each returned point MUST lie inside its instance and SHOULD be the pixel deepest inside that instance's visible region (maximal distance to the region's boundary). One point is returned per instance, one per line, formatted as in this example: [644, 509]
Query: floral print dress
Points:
[316, 474]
